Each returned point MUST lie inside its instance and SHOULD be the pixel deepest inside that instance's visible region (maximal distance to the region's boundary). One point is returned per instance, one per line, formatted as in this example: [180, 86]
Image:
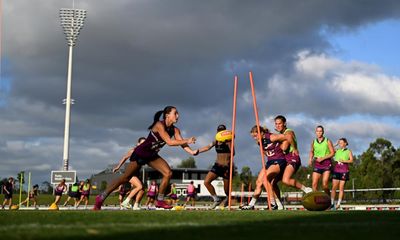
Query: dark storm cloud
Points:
[134, 57]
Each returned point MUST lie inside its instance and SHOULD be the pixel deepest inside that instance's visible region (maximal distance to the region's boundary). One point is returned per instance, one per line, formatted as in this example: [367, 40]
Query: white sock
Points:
[278, 203]
[332, 201]
[136, 205]
[126, 201]
[253, 201]
[160, 197]
[215, 198]
[339, 202]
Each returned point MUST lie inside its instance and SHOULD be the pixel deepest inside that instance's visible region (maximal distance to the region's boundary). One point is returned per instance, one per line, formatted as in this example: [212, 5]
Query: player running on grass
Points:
[173, 194]
[32, 196]
[191, 194]
[275, 166]
[59, 190]
[152, 191]
[321, 154]
[134, 182]
[292, 157]
[161, 133]
[221, 167]
[8, 188]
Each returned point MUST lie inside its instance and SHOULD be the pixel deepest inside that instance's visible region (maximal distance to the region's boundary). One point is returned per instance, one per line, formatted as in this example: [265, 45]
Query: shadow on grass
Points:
[202, 225]
[343, 225]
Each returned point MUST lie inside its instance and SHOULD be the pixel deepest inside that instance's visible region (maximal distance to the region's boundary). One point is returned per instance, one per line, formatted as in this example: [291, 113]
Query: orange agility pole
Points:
[248, 197]
[233, 140]
[241, 194]
[268, 185]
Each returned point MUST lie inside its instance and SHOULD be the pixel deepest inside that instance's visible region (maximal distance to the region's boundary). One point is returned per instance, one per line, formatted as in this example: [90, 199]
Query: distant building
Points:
[180, 176]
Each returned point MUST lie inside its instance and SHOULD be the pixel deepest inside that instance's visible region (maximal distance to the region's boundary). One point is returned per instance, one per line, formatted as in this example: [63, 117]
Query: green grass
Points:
[47, 199]
[199, 224]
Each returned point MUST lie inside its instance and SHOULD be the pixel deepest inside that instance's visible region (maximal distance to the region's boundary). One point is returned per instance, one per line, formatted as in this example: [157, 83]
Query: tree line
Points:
[377, 167]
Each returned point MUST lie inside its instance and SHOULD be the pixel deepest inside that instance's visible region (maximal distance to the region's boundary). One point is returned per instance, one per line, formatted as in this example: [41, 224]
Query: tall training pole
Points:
[233, 140]
[29, 187]
[268, 185]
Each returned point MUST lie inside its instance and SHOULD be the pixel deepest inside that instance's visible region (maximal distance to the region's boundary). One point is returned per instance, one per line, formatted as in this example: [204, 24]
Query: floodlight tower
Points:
[72, 22]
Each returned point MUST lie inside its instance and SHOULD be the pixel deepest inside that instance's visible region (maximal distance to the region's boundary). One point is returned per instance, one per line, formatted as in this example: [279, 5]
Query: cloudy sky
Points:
[334, 63]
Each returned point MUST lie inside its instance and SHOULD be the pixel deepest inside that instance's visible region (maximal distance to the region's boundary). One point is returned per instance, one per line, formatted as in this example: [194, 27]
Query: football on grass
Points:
[316, 201]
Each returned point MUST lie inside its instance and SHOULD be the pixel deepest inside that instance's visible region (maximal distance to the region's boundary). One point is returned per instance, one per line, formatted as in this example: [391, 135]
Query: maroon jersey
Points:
[153, 143]
[273, 150]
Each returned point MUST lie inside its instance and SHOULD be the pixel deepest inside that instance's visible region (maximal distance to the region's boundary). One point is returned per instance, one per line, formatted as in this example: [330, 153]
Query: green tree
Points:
[46, 187]
[246, 176]
[188, 163]
[21, 177]
[375, 169]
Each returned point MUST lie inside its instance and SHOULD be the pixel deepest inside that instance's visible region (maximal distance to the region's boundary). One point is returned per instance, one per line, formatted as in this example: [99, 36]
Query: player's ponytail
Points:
[158, 114]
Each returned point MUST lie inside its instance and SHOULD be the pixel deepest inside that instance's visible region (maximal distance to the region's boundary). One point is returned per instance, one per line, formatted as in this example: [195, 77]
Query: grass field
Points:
[199, 224]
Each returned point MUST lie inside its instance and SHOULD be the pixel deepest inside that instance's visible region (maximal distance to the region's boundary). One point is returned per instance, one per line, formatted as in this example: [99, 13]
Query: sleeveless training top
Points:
[59, 189]
[288, 153]
[190, 188]
[153, 143]
[340, 155]
[321, 149]
[74, 188]
[222, 147]
[152, 190]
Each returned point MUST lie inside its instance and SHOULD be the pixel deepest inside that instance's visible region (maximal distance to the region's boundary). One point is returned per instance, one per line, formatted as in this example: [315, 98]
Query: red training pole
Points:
[268, 187]
[248, 197]
[241, 196]
[233, 140]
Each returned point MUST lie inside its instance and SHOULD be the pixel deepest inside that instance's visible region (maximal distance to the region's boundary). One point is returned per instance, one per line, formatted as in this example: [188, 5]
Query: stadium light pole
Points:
[72, 22]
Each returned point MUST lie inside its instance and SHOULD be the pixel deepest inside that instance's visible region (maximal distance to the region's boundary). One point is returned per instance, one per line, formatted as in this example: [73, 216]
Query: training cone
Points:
[53, 207]
[14, 207]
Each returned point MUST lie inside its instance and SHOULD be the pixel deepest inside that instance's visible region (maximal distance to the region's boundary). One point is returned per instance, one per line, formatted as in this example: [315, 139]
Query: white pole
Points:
[67, 111]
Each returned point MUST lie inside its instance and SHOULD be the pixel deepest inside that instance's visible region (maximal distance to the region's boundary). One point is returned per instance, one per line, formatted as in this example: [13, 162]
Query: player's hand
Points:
[309, 162]
[191, 140]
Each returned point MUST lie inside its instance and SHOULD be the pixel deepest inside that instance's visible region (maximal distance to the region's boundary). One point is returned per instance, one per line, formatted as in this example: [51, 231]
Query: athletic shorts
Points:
[151, 195]
[282, 165]
[73, 194]
[86, 194]
[280, 162]
[321, 170]
[341, 176]
[58, 193]
[293, 160]
[7, 196]
[192, 195]
[174, 196]
[220, 170]
[142, 161]
[78, 195]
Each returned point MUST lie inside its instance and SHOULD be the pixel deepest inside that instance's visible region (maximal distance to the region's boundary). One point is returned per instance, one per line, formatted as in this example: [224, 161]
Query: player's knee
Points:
[259, 182]
[286, 181]
[168, 174]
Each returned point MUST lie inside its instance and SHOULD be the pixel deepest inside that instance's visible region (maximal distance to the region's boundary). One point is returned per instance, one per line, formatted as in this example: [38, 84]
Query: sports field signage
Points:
[57, 176]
